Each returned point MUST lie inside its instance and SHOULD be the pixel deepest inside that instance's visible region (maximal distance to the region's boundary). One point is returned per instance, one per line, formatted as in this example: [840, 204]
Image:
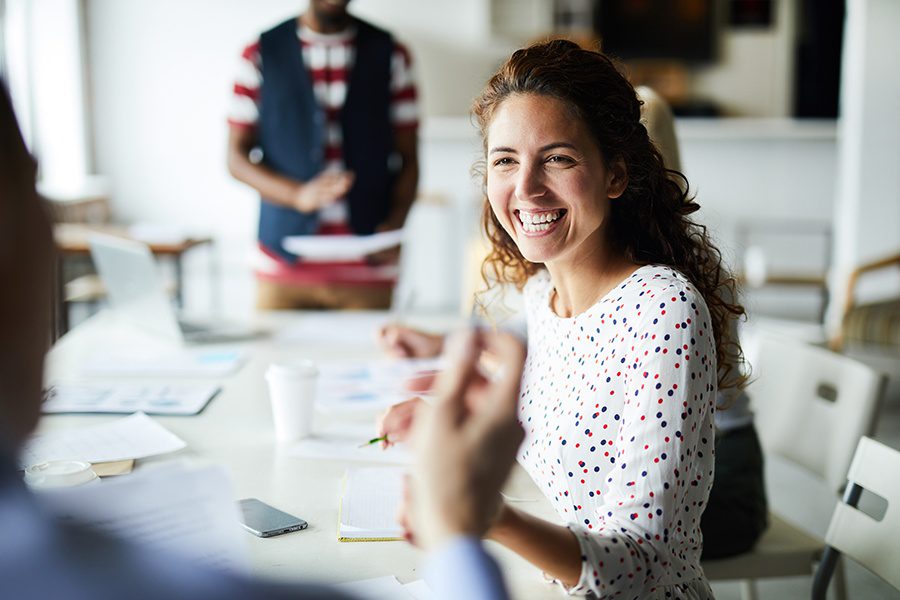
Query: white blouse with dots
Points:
[618, 405]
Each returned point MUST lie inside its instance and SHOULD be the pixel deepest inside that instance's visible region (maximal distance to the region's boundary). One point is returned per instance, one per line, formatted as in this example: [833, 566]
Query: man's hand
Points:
[465, 450]
[323, 189]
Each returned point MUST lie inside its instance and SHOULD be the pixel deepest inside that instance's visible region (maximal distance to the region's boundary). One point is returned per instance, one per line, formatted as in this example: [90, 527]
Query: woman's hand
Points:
[406, 342]
[395, 424]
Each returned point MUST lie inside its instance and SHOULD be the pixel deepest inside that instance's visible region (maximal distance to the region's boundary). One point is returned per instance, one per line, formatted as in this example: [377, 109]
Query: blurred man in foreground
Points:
[452, 500]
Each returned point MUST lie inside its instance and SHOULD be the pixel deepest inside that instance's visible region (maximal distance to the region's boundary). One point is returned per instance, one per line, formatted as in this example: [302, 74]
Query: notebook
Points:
[369, 505]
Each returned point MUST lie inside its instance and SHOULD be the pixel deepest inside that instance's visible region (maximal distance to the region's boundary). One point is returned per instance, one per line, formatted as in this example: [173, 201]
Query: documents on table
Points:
[150, 398]
[177, 362]
[372, 385]
[327, 248]
[369, 506]
[136, 436]
[386, 588]
[184, 511]
[342, 442]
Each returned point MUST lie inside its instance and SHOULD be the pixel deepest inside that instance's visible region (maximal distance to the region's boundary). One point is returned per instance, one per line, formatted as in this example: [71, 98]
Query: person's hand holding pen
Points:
[401, 341]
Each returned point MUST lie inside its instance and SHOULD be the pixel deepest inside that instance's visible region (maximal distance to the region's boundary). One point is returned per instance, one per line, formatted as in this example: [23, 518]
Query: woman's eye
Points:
[502, 162]
[557, 158]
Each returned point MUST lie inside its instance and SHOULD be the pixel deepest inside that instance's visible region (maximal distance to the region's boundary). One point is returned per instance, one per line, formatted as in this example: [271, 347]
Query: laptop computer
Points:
[136, 292]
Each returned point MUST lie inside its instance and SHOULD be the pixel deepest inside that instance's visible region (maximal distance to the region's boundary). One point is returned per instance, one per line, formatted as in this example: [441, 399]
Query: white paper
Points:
[377, 588]
[342, 442]
[419, 590]
[190, 512]
[341, 247]
[136, 436]
[152, 398]
[174, 363]
[374, 385]
[371, 501]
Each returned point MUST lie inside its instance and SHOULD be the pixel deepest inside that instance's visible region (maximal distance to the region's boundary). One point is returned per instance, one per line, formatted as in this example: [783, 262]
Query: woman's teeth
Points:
[536, 222]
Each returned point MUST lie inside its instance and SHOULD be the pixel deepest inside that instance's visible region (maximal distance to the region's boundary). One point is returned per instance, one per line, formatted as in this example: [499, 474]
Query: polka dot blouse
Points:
[617, 405]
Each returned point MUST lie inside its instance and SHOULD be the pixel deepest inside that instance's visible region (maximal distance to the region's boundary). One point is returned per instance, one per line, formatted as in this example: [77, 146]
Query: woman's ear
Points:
[616, 178]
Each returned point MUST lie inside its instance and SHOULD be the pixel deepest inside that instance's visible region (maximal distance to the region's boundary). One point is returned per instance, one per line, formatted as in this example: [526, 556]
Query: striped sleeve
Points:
[404, 95]
[243, 110]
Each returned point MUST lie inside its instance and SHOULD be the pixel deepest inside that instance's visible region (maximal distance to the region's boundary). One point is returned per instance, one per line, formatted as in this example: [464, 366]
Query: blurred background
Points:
[785, 114]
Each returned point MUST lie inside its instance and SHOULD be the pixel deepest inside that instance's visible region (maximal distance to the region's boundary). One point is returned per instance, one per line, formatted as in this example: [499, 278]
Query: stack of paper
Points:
[373, 385]
[370, 504]
[152, 398]
[176, 509]
[137, 436]
[341, 247]
[347, 441]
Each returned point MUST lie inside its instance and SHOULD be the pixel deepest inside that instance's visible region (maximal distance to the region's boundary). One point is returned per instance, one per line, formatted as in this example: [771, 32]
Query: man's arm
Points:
[463, 457]
[406, 143]
[307, 196]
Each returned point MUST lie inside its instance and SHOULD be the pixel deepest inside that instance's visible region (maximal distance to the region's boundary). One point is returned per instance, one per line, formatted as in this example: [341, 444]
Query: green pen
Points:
[383, 438]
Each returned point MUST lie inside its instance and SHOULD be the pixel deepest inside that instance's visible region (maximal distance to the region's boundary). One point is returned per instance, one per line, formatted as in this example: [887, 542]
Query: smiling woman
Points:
[627, 311]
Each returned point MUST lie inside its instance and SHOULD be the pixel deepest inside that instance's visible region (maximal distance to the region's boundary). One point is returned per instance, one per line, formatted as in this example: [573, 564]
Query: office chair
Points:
[871, 542]
[811, 408]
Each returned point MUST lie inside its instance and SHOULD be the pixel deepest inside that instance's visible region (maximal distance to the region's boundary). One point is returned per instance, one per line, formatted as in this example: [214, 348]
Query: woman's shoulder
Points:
[662, 278]
[667, 288]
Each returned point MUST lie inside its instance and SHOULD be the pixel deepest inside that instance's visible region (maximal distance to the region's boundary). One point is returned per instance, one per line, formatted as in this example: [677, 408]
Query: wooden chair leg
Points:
[748, 589]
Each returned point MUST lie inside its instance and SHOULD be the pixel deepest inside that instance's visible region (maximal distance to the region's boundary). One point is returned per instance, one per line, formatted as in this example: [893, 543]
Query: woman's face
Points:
[546, 180]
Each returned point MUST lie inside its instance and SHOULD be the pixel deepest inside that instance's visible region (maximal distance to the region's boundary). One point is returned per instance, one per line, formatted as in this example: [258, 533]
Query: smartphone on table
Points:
[264, 520]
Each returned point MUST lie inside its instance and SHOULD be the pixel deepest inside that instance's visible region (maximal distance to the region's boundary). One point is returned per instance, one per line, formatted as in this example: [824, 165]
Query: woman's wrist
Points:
[503, 525]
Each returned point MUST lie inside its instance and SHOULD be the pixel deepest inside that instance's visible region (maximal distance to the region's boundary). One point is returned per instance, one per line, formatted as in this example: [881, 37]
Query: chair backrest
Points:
[657, 117]
[812, 406]
[873, 544]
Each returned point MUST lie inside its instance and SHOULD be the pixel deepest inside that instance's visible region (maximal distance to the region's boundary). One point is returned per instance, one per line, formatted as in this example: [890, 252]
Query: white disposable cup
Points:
[60, 473]
[292, 390]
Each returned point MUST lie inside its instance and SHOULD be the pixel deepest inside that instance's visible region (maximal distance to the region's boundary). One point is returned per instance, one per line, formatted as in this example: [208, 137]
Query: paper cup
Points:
[59, 474]
[292, 390]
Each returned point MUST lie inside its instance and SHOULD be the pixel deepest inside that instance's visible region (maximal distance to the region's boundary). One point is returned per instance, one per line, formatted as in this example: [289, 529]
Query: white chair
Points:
[872, 543]
[811, 407]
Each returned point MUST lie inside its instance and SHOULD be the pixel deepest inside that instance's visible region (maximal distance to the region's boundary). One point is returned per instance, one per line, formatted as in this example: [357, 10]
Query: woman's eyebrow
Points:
[545, 148]
[501, 149]
[558, 145]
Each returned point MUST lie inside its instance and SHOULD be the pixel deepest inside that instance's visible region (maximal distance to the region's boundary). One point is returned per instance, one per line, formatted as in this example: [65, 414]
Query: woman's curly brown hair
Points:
[649, 223]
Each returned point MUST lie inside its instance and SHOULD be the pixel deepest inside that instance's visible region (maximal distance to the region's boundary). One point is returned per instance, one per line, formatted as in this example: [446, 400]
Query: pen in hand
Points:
[383, 438]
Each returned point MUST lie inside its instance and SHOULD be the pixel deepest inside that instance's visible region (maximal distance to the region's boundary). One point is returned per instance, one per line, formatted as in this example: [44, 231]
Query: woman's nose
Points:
[530, 183]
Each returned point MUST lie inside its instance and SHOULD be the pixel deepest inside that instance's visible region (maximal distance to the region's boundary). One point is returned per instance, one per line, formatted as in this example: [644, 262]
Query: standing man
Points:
[323, 125]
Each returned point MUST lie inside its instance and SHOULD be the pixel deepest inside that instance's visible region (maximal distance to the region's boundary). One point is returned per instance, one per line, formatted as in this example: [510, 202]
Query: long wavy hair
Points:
[649, 223]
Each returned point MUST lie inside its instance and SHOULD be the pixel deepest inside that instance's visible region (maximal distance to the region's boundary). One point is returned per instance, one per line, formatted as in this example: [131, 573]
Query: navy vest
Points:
[291, 130]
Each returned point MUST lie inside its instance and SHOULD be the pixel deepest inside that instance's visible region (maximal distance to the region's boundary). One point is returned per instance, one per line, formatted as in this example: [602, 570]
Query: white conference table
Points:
[236, 430]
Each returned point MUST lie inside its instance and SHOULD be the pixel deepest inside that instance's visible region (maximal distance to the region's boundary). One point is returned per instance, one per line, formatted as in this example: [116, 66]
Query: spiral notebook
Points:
[369, 505]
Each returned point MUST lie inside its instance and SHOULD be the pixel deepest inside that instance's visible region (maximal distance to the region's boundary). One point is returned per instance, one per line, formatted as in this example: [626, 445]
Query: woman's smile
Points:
[536, 223]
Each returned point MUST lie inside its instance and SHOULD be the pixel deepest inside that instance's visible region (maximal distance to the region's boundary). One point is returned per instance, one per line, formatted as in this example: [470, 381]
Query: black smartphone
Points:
[263, 520]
